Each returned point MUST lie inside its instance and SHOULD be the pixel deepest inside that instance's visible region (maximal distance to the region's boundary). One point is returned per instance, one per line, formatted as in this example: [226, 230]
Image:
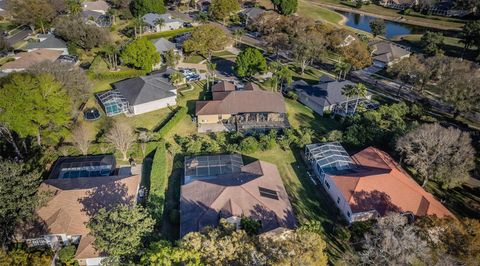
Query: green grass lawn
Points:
[310, 10]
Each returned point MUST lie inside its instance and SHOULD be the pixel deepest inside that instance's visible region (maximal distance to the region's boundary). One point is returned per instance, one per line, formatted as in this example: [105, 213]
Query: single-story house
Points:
[96, 13]
[28, 59]
[47, 41]
[151, 20]
[139, 95]
[221, 186]
[99, 6]
[325, 96]
[385, 53]
[251, 14]
[74, 200]
[83, 166]
[163, 45]
[369, 183]
[241, 109]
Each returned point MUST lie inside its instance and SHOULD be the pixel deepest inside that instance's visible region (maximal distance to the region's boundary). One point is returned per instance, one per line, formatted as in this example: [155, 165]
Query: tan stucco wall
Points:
[208, 119]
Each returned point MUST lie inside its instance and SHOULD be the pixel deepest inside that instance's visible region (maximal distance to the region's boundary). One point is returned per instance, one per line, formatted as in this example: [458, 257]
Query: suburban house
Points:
[28, 59]
[139, 95]
[385, 53]
[221, 186]
[47, 41]
[398, 4]
[327, 96]
[161, 22]
[75, 198]
[241, 109]
[83, 166]
[163, 45]
[96, 13]
[369, 183]
[251, 14]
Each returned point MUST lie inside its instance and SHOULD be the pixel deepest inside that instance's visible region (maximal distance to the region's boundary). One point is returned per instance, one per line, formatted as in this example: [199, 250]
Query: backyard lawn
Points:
[310, 10]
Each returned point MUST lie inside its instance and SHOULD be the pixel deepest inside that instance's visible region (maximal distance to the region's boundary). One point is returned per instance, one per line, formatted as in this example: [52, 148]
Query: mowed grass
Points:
[310, 10]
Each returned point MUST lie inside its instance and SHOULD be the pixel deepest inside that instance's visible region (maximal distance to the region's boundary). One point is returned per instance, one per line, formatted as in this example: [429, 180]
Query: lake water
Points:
[392, 28]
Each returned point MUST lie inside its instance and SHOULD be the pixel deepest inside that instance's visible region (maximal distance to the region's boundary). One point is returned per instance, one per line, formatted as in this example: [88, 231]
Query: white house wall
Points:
[169, 26]
[305, 99]
[154, 105]
[334, 194]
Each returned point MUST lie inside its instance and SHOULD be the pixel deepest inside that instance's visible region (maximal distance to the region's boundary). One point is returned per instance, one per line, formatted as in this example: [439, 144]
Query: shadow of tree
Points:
[373, 200]
[105, 196]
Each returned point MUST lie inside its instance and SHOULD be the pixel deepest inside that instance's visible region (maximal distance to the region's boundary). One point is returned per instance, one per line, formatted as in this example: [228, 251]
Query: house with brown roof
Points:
[369, 183]
[221, 186]
[241, 109]
[25, 60]
[74, 200]
[385, 53]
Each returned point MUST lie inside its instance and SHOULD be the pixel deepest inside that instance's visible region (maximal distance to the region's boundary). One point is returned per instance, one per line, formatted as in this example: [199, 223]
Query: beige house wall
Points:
[209, 119]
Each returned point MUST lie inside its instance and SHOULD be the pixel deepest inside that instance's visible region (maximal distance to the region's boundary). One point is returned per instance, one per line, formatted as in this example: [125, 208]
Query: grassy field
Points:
[310, 10]
[413, 16]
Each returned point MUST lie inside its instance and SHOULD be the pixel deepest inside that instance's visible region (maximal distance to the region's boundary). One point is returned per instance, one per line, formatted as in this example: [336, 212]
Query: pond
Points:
[392, 28]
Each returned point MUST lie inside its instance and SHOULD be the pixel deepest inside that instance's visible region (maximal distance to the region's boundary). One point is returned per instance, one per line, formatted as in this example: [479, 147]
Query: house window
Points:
[327, 184]
[338, 200]
[268, 193]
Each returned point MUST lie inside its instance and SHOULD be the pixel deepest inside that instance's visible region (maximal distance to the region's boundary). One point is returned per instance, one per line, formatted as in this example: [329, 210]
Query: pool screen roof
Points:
[83, 166]
[330, 156]
[211, 166]
[113, 102]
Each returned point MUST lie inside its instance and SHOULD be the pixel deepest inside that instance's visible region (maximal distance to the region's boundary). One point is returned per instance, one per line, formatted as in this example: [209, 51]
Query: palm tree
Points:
[210, 68]
[361, 92]
[138, 22]
[176, 78]
[110, 52]
[348, 91]
[342, 69]
[74, 7]
[160, 23]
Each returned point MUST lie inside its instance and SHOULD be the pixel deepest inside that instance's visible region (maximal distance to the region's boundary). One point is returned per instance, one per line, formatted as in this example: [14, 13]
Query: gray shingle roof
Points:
[387, 51]
[145, 89]
[48, 41]
[163, 45]
[327, 92]
[253, 13]
[150, 18]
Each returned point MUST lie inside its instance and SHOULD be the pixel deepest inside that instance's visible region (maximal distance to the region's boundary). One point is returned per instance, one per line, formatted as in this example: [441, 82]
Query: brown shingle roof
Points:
[244, 101]
[29, 59]
[381, 184]
[75, 200]
[204, 202]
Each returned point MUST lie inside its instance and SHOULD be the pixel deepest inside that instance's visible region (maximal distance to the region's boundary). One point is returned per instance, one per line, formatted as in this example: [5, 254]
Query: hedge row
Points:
[158, 183]
[167, 34]
[180, 114]
[116, 75]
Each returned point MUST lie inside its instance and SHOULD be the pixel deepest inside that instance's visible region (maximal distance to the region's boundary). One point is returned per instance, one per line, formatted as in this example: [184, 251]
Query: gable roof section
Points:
[204, 202]
[387, 51]
[151, 18]
[145, 89]
[244, 101]
[26, 60]
[378, 183]
[163, 45]
[75, 200]
[48, 41]
[327, 92]
[96, 5]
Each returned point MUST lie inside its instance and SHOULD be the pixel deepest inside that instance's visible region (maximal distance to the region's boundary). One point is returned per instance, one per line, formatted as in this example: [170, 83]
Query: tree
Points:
[286, 7]
[73, 80]
[412, 70]
[281, 75]
[171, 58]
[250, 62]
[142, 7]
[307, 47]
[66, 255]
[431, 42]
[119, 231]
[163, 253]
[342, 68]
[35, 106]
[77, 31]
[141, 54]
[176, 78]
[160, 23]
[222, 9]
[80, 139]
[442, 154]
[250, 226]
[237, 34]
[19, 197]
[361, 92]
[393, 242]
[471, 34]
[356, 54]
[249, 145]
[34, 13]
[110, 53]
[348, 91]
[377, 27]
[206, 39]
[121, 136]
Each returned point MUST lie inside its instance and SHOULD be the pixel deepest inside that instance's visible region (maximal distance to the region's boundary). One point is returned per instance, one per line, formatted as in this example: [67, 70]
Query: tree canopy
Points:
[377, 27]
[286, 7]
[431, 42]
[119, 231]
[438, 153]
[77, 31]
[141, 7]
[250, 62]
[141, 54]
[221, 9]
[206, 39]
[34, 13]
[35, 106]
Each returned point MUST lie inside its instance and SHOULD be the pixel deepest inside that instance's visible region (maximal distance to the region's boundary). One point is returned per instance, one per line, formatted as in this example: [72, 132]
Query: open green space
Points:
[310, 10]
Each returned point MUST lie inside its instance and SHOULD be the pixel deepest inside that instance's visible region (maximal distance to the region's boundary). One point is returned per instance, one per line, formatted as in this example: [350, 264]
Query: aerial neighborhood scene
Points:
[240, 132]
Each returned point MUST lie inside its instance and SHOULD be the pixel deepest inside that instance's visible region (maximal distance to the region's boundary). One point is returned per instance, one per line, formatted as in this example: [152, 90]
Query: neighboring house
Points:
[246, 109]
[3, 10]
[369, 183]
[220, 186]
[151, 20]
[385, 53]
[326, 96]
[398, 4]
[28, 59]
[139, 95]
[163, 45]
[347, 41]
[99, 6]
[47, 41]
[251, 14]
[96, 13]
[83, 166]
[74, 200]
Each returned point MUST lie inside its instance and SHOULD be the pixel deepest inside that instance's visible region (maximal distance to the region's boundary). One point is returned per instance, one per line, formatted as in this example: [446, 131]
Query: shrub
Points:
[66, 254]
[158, 183]
[116, 75]
[174, 216]
[249, 145]
[168, 34]
[173, 121]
